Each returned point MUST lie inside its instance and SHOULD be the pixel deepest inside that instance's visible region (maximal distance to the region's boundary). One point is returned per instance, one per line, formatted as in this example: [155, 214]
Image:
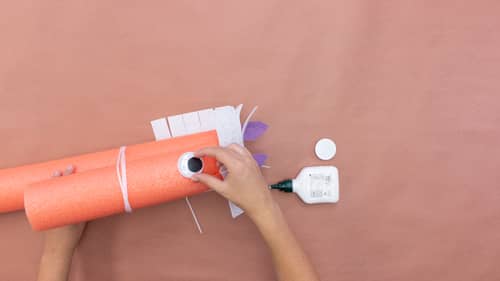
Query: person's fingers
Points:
[223, 170]
[69, 170]
[211, 181]
[219, 153]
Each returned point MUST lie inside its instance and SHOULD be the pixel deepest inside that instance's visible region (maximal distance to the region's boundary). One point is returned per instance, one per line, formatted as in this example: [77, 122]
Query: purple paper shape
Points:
[254, 130]
[260, 158]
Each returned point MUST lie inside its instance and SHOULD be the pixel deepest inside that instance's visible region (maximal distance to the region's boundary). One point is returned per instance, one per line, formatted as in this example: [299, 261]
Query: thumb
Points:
[211, 181]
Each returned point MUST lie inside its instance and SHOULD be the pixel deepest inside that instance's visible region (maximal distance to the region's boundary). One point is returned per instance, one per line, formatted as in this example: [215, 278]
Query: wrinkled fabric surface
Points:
[409, 91]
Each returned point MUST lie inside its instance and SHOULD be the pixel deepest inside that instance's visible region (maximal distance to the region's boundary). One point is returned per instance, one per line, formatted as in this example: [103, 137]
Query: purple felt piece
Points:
[260, 158]
[254, 130]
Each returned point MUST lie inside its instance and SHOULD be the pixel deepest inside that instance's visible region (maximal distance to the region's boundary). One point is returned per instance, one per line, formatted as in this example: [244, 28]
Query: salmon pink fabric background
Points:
[409, 90]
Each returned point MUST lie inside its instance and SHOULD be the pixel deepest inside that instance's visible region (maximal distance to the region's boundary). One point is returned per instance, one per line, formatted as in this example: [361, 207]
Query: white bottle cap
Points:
[325, 149]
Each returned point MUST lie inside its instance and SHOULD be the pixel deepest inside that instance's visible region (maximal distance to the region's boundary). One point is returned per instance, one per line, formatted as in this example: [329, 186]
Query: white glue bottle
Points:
[317, 184]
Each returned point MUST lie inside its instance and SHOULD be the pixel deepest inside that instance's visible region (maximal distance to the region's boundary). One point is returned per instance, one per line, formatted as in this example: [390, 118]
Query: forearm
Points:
[54, 266]
[245, 186]
[291, 262]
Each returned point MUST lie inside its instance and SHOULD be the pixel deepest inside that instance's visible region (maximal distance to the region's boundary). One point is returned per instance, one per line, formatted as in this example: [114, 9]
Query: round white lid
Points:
[325, 149]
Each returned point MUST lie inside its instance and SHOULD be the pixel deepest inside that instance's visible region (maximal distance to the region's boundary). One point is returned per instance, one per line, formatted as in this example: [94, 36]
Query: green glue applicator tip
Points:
[285, 186]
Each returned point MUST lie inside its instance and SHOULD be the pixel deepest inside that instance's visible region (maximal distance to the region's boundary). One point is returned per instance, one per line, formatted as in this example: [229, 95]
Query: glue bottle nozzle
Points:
[285, 186]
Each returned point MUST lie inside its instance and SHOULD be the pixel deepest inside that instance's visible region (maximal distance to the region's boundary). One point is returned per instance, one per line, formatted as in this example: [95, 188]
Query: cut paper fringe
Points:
[254, 130]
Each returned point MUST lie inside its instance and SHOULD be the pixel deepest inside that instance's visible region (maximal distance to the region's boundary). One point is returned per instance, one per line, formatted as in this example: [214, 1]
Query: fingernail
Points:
[69, 170]
[195, 178]
[56, 173]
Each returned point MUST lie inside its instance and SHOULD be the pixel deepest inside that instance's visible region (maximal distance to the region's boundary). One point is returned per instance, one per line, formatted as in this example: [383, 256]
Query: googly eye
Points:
[189, 165]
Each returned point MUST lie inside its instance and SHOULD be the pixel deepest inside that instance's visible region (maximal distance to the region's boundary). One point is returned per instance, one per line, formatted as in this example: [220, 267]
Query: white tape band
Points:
[121, 172]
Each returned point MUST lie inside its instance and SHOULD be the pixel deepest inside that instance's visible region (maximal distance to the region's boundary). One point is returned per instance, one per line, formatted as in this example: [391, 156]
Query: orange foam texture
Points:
[14, 181]
[96, 193]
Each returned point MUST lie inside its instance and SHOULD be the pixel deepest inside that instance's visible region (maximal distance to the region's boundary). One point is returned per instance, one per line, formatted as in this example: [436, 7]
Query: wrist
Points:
[55, 265]
[57, 253]
[55, 262]
[267, 215]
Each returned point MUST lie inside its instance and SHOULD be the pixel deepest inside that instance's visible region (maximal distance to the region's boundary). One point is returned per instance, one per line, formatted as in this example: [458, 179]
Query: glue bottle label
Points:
[317, 184]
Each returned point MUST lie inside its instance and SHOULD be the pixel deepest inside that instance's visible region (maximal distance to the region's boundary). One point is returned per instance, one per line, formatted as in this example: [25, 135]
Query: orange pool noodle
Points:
[14, 181]
[96, 193]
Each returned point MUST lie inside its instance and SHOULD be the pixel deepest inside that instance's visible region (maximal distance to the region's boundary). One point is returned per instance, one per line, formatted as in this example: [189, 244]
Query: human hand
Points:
[244, 184]
[63, 240]
[60, 243]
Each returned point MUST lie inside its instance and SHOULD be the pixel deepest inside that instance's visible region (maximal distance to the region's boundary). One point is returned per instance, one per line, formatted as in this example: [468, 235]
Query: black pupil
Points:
[195, 164]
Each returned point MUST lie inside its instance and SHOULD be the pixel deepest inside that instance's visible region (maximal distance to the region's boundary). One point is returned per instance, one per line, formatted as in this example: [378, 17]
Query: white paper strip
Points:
[207, 119]
[191, 122]
[176, 124]
[160, 129]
